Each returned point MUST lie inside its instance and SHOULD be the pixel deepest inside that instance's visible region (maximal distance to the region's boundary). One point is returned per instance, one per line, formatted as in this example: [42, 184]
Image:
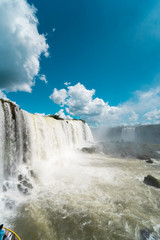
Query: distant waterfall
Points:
[26, 137]
[128, 134]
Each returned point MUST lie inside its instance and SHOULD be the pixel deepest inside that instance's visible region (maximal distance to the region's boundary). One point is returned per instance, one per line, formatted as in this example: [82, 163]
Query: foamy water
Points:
[89, 197]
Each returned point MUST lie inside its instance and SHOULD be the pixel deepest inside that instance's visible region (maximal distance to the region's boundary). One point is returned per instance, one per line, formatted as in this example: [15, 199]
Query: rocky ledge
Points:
[152, 181]
[89, 150]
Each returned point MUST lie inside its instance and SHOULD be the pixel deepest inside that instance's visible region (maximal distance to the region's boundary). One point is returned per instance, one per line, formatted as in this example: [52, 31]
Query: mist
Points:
[142, 141]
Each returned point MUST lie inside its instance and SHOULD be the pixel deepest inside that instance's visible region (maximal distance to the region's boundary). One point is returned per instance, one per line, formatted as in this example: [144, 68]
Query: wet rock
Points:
[89, 150]
[32, 173]
[7, 185]
[149, 161]
[24, 184]
[143, 157]
[25, 191]
[145, 233]
[4, 188]
[20, 177]
[22, 189]
[27, 184]
[152, 181]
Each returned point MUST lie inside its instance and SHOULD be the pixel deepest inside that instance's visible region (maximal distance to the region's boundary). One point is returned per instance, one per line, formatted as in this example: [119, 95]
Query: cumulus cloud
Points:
[61, 114]
[80, 102]
[21, 45]
[59, 96]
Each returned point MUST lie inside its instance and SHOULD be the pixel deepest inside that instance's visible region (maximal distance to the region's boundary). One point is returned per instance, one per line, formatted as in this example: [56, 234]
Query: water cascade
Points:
[29, 138]
[128, 134]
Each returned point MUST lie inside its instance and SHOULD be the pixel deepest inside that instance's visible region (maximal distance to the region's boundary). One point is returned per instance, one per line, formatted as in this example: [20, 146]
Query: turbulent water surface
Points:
[51, 190]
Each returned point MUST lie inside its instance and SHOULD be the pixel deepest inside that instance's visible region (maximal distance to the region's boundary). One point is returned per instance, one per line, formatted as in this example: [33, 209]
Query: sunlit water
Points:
[88, 197]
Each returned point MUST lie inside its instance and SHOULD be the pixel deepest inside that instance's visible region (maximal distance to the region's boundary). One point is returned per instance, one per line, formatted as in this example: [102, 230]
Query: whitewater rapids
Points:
[74, 195]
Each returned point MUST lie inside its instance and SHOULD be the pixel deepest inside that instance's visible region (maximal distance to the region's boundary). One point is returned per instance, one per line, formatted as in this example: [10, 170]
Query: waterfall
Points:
[128, 134]
[28, 138]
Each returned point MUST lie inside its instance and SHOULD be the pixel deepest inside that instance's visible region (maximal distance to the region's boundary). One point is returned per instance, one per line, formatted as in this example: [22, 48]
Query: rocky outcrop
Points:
[55, 117]
[82, 120]
[75, 119]
[152, 181]
[149, 161]
[145, 157]
[89, 150]
[24, 183]
[146, 234]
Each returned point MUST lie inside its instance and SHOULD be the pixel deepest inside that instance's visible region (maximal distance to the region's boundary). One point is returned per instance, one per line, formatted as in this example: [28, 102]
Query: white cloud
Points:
[67, 83]
[2, 95]
[61, 114]
[53, 29]
[153, 115]
[59, 96]
[79, 101]
[144, 101]
[133, 117]
[20, 45]
[42, 77]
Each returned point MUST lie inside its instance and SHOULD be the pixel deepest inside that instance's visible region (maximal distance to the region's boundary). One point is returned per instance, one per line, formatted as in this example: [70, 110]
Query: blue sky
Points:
[112, 47]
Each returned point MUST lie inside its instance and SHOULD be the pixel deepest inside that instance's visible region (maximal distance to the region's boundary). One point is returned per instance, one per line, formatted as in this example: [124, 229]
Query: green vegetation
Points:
[55, 117]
